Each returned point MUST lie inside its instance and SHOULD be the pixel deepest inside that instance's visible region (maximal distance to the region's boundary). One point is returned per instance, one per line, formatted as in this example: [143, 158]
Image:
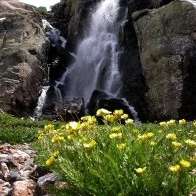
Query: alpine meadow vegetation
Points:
[120, 157]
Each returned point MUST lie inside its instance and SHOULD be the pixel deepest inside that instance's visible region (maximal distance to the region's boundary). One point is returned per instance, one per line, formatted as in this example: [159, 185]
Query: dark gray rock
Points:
[167, 43]
[14, 176]
[48, 179]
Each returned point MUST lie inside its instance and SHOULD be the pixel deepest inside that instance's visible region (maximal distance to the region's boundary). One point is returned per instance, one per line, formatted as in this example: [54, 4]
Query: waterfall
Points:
[57, 41]
[41, 101]
[96, 59]
[96, 65]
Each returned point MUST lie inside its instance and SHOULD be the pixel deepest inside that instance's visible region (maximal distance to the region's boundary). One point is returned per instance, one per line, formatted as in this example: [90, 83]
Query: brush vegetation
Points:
[119, 157]
[16, 131]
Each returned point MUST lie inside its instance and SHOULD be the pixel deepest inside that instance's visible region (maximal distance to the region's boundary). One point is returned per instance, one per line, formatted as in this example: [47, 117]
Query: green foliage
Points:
[15, 130]
[40, 11]
[120, 159]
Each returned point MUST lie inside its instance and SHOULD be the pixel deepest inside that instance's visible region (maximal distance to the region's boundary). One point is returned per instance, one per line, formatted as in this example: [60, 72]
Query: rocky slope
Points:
[22, 54]
[167, 43]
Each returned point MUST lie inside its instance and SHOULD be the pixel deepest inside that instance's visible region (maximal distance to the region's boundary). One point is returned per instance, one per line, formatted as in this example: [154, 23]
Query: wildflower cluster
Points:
[116, 116]
[118, 157]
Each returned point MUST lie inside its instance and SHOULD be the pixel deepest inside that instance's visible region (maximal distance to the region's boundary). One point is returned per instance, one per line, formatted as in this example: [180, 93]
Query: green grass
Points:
[103, 160]
[16, 131]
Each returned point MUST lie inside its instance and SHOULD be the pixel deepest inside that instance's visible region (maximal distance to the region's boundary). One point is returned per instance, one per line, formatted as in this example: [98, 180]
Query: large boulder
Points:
[167, 43]
[22, 56]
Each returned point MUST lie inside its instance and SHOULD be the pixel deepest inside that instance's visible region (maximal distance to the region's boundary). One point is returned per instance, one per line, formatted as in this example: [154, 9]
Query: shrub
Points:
[119, 157]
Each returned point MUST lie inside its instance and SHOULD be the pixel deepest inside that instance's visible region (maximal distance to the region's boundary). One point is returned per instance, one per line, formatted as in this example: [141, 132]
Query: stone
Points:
[22, 57]
[24, 188]
[5, 189]
[20, 156]
[47, 179]
[1, 175]
[5, 170]
[38, 171]
[13, 176]
[166, 39]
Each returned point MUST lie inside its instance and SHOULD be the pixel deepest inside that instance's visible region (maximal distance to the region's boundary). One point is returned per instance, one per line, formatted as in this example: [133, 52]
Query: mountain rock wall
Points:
[22, 56]
[167, 45]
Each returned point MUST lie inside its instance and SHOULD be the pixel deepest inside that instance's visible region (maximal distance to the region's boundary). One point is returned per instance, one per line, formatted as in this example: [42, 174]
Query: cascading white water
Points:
[96, 65]
[41, 101]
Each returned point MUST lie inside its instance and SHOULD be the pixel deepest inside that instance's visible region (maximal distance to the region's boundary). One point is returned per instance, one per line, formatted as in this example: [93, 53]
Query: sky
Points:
[37, 3]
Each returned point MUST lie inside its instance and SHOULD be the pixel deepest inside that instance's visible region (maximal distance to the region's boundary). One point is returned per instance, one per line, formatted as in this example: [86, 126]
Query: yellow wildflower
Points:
[125, 116]
[175, 168]
[149, 135]
[177, 144]
[41, 136]
[171, 122]
[56, 154]
[110, 118]
[194, 124]
[182, 122]
[58, 139]
[118, 112]
[90, 145]
[89, 119]
[49, 127]
[50, 161]
[115, 135]
[145, 136]
[184, 163]
[122, 146]
[163, 124]
[70, 137]
[153, 143]
[135, 131]
[129, 121]
[171, 136]
[102, 112]
[115, 129]
[140, 170]
[190, 143]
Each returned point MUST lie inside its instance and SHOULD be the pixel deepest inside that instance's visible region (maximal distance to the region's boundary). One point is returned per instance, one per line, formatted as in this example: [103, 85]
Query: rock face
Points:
[167, 43]
[73, 18]
[22, 48]
[70, 17]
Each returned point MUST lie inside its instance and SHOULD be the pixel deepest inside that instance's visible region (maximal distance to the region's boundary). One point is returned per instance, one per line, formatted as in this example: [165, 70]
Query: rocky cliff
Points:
[22, 54]
[167, 43]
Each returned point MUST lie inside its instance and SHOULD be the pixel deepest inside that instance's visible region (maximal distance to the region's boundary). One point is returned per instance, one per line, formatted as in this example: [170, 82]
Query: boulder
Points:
[22, 57]
[167, 44]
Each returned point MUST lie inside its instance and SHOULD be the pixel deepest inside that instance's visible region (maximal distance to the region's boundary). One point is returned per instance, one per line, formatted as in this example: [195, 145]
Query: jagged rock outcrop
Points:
[167, 43]
[70, 17]
[22, 54]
